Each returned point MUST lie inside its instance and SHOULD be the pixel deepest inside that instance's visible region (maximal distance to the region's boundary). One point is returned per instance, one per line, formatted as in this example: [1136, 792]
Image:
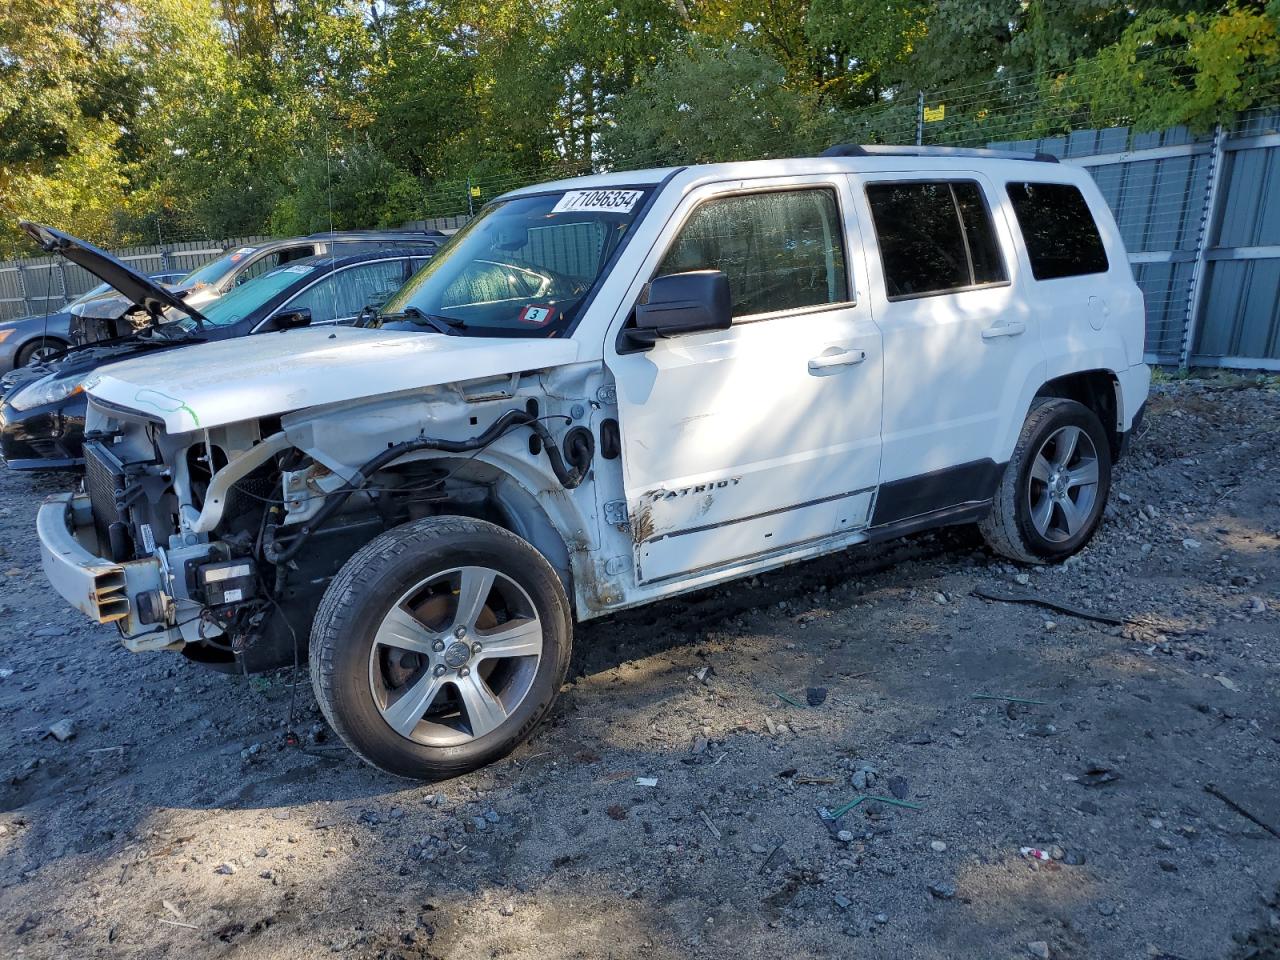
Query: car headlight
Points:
[47, 390]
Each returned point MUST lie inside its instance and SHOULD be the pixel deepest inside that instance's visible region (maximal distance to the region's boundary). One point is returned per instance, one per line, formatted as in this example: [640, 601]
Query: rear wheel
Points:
[38, 350]
[440, 646]
[1050, 500]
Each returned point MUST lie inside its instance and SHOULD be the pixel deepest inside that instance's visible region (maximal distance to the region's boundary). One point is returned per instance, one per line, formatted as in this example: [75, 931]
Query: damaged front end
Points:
[220, 542]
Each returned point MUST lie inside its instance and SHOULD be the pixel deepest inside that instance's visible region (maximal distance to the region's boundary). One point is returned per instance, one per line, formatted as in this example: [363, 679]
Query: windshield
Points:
[249, 296]
[106, 289]
[522, 268]
[213, 271]
[94, 294]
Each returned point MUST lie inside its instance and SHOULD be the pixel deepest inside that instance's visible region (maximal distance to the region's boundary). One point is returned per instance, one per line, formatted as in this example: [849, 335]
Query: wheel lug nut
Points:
[460, 632]
[438, 646]
[476, 648]
[464, 672]
[439, 670]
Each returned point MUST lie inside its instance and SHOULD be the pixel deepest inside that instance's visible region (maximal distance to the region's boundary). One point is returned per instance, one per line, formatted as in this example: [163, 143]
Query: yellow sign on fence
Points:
[934, 114]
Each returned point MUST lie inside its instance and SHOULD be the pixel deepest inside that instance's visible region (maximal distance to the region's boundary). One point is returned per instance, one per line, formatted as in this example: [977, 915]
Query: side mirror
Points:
[682, 303]
[293, 319]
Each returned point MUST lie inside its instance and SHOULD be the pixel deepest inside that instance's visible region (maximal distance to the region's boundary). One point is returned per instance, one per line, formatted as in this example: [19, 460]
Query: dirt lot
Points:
[177, 822]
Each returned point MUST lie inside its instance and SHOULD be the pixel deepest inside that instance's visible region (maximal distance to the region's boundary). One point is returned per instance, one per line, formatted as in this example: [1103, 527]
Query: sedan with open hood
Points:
[42, 415]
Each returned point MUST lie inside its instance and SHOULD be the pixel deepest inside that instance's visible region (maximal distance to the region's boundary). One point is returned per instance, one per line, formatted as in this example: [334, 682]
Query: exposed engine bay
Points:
[242, 526]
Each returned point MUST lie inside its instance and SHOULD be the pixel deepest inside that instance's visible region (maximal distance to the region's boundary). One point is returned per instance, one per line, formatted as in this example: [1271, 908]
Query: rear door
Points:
[740, 443]
[960, 343]
[1069, 263]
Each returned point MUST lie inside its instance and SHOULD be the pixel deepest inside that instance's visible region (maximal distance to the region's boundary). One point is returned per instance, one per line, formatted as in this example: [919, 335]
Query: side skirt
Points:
[930, 498]
[946, 517]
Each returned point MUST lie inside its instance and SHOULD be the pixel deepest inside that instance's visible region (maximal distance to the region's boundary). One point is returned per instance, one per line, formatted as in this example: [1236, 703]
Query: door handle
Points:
[844, 358]
[1013, 328]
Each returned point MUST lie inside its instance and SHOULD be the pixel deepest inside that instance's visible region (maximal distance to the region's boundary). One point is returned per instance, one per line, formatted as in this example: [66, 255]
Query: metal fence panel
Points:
[45, 284]
[1241, 303]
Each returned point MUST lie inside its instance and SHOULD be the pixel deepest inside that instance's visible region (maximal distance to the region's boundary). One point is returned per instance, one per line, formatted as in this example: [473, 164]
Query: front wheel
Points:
[440, 646]
[1050, 500]
[40, 350]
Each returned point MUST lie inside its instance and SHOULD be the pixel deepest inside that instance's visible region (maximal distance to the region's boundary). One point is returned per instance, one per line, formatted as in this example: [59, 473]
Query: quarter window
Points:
[781, 250]
[935, 237]
[1060, 233]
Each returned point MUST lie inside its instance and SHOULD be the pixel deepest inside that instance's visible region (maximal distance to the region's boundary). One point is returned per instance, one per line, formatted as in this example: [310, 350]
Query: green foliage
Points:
[881, 38]
[1170, 69]
[712, 103]
[136, 120]
[349, 187]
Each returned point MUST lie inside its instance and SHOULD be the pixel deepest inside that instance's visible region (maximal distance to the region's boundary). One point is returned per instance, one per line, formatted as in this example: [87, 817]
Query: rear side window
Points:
[1061, 236]
[781, 250]
[935, 237]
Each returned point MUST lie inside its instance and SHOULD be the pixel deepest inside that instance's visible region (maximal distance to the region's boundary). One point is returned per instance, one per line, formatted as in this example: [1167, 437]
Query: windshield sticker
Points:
[537, 316]
[298, 269]
[598, 201]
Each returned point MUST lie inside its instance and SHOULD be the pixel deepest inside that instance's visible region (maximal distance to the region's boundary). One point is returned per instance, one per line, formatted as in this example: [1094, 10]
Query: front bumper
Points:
[99, 588]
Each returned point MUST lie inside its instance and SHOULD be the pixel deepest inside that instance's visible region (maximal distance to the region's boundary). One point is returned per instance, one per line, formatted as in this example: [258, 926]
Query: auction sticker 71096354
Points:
[597, 201]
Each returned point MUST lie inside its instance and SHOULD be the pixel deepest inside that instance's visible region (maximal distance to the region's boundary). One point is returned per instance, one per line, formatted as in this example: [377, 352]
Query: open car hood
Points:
[135, 287]
[266, 374]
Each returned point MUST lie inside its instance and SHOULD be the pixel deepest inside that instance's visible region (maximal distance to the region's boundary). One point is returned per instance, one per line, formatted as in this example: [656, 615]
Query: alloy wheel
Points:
[42, 353]
[455, 656]
[1063, 484]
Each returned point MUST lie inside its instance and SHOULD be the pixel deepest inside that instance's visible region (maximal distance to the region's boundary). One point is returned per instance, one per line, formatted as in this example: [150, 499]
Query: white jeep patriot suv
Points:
[603, 392]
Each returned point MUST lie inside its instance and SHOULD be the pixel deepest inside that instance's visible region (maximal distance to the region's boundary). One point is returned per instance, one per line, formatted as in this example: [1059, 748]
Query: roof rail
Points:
[399, 233]
[888, 150]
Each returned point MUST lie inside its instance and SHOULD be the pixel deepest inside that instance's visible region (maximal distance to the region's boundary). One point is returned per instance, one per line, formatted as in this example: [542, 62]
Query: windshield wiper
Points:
[174, 333]
[163, 342]
[438, 322]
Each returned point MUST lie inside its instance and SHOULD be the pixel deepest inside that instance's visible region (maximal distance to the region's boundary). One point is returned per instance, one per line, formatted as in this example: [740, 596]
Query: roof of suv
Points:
[348, 258]
[840, 159]
[385, 237]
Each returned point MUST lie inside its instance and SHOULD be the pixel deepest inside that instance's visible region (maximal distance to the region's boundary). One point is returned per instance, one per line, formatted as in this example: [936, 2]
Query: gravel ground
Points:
[177, 822]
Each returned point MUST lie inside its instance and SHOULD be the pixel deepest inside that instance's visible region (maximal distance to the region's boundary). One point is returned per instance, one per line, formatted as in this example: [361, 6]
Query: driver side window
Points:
[781, 250]
[257, 268]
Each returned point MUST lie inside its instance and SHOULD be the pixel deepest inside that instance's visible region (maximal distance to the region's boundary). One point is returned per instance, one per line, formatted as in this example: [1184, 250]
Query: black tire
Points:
[29, 350]
[1009, 529]
[371, 583]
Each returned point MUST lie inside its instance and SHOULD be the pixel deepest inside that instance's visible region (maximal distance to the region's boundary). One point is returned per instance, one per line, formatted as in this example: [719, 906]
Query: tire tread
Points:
[362, 570]
[999, 527]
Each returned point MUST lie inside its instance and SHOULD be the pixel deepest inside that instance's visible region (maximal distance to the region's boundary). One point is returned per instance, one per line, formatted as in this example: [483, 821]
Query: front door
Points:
[756, 440]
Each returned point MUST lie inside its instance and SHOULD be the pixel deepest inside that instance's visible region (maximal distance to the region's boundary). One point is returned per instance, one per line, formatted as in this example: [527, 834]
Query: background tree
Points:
[709, 103]
[139, 120]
